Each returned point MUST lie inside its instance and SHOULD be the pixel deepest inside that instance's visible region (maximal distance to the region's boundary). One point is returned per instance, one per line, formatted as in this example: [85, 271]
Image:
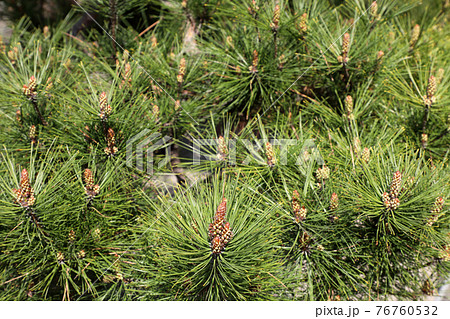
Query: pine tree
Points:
[308, 139]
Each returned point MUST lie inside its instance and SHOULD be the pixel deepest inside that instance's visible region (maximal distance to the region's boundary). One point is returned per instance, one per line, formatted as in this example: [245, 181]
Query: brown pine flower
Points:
[303, 24]
[395, 203]
[29, 90]
[13, 55]
[216, 245]
[60, 258]
[48, 85]
[97, 233]
[435, 211]
[431, 91]
[103, 99]
[220, 231]
[81, 254]
[396, 184]
[345, 43]
[270, 154]
[253, 9]
[366, 155]
[304, 241]
[380, 55]
[88, 178]
[281, 61]
[91, 189]
[19, 116]
[111, 149]
[127, 74]
[71, 236]
[414, 36]
[296, 202]
[155, 111]
[386, 200]
[223, 150]
[229, 41]
[254, 67]
[32, 83]
[212, 231]
[25, 194]
[424, 140]
[24, 182]
[105, 108]
[125, 56]
[444, 253]
[348, 104]
[154, 41]
[276, 19]
[221, 210]
[438, 205]
[32, 134]
[299, 211]
[374, 11]
[334, 201]
[227, 233]
[345, 48]
[301, 215]
[46, 32]
[216, 228]
[181, 70]
[323, 173]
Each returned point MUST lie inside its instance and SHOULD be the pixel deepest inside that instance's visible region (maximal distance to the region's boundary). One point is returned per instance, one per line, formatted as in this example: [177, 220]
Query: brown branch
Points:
[425, 118]
[275, 43]
[38, 112]
[277, 280]
[8, 281]
[304, 96]
[146, 30]
[13, 229]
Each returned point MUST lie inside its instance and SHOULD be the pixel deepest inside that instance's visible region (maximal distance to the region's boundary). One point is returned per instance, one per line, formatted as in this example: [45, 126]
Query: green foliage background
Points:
[360, 93]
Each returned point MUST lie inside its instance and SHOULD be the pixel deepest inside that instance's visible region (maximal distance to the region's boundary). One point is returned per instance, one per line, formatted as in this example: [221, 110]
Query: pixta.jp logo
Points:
[141, 151]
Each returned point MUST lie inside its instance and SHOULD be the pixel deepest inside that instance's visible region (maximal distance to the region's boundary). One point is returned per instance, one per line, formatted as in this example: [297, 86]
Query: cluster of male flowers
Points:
[105, 108]
[323, 174]
[444, 253]
[390, 200]
[31, 93]
[300, 213]
[105, 112]
[271, 159]
[219, 230]
[429, 99]
[91, 191]
[24, 196]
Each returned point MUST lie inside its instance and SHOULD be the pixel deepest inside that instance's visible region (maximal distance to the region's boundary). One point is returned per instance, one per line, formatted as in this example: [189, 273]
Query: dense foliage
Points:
[226, 150]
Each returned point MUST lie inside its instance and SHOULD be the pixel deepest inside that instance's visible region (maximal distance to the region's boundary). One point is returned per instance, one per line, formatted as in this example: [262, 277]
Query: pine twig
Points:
[38, 112]
[146, 30]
